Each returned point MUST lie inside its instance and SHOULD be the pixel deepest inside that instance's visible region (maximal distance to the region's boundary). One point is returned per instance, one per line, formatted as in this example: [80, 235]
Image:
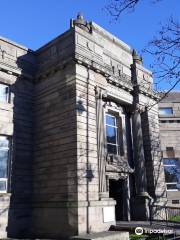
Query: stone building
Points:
[79, 145]
[169, 117]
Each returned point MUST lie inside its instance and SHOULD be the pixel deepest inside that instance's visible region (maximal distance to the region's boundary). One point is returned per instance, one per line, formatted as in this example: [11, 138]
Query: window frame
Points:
[175, 201]
[115, 126]
[165, 108]
[7, 179]
[8, 94]
[120, 151]
[171, 165]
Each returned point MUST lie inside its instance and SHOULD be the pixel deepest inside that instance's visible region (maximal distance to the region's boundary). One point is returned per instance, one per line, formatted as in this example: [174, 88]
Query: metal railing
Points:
[165, 213]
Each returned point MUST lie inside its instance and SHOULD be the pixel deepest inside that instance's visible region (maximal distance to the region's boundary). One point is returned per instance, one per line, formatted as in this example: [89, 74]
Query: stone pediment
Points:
[125, 168]
[117, 167]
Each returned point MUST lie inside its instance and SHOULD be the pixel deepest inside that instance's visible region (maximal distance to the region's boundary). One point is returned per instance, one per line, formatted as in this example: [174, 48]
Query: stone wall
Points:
[53, 123]
[55, 142]
[21, 173]
[16, 121]
[154, 164]
[95, 60]
[170, 135]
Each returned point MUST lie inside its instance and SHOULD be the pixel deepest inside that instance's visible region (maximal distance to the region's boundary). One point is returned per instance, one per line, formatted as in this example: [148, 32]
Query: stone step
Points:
[109, 235]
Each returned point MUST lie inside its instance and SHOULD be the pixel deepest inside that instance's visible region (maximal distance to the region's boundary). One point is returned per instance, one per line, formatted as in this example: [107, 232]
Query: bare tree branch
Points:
[164, 48]
[116, 7]
[164, 95]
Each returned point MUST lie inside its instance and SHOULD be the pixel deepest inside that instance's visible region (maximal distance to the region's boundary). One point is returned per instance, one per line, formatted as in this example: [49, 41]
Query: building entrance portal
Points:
[117, 192]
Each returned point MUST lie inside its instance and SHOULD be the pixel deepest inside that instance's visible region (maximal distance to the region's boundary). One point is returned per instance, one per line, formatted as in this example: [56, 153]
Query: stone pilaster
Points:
[141, 211]
[142, 199]
[139, 160]
[101, 142]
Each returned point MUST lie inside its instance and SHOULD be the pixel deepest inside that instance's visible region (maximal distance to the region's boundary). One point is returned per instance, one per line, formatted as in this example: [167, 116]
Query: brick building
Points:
[79, 148]
[169, 117]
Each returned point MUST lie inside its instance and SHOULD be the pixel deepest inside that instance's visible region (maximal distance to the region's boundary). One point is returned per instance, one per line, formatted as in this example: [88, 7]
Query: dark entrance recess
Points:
[116, 192]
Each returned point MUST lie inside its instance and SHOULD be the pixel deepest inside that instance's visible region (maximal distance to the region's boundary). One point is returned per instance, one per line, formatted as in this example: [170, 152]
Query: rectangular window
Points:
[172, 173]
[4, 160]
[166, 111]
[112, 134]
[175, 201]
[163, 121]
[169, 149]
[4, 93]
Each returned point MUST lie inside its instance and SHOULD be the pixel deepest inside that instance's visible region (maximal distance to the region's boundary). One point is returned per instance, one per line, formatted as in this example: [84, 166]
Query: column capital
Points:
[138, 108]
[100, 93]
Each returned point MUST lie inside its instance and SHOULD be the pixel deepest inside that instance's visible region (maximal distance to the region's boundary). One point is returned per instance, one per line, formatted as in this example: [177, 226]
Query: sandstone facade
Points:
[82, 137]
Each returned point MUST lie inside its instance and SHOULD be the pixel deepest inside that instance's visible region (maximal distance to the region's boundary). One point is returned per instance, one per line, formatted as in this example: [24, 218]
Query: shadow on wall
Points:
[20, 177]
[41, 210]
[154, 166]
[20, 219]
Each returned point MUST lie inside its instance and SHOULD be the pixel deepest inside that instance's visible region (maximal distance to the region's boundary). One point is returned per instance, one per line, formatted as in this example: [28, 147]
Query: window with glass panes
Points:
[4, 161]
[166, 111]
[4, 93]
[112, 134]
[172, 173]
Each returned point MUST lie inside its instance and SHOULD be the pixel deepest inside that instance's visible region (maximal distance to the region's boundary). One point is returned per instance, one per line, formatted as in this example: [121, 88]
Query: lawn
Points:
[145, 237]
[175, 218]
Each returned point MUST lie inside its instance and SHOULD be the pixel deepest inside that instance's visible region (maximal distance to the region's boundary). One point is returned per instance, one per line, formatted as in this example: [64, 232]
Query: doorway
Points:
[116, 191]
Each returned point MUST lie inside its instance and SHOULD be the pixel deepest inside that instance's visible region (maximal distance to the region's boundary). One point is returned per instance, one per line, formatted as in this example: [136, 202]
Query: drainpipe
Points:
[87, 153]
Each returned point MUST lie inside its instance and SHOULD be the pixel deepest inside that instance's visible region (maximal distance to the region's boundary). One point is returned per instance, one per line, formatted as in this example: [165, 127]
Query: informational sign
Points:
[109, 214]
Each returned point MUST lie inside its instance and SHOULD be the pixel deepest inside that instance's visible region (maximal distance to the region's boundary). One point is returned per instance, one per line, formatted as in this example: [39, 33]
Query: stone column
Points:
[142, 199]
[141, 207]
[127, 213]
[101, 143]
[139, 160]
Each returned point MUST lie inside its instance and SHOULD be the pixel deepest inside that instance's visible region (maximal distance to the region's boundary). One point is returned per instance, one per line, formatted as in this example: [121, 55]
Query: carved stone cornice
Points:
[148, 92]
[117, 167]
[96, 66]
[118, 164]
[53, 69]
[141, 89]
[123, 81]
[116, 176]
[14, 63]
[11, 70]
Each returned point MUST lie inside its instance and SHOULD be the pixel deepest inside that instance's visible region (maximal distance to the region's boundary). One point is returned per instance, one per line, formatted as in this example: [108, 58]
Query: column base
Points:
[140, 207]
[103, 195]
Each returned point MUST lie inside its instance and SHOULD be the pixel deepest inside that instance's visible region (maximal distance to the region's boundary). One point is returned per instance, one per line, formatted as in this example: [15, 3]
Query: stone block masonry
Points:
[83, 153]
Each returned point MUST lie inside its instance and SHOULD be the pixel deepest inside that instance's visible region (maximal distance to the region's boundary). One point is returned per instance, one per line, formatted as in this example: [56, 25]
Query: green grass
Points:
[134, 237]
[145, 237]
[175, 218]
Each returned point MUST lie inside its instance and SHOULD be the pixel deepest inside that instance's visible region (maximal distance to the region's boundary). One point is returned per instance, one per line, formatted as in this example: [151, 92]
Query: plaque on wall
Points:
[109, 214]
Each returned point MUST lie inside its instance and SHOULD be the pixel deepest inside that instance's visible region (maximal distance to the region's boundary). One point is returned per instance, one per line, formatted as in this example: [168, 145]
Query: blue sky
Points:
[35, 22]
